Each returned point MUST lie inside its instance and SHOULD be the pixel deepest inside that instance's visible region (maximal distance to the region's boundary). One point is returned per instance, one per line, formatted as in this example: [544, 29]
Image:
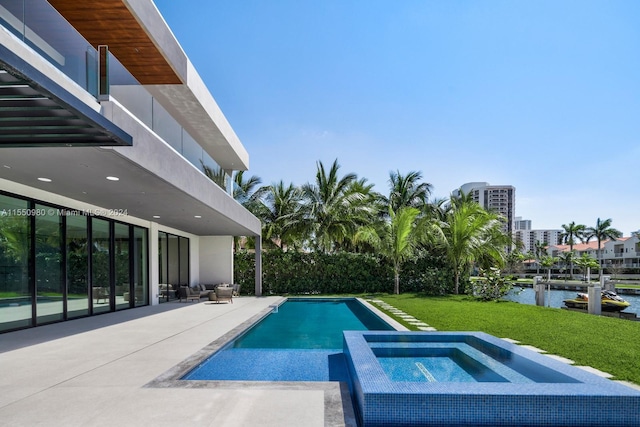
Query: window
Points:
[56, 264]
[173, 263]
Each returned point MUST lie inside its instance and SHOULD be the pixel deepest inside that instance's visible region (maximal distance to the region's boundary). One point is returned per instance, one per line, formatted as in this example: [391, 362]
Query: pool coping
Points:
[338, 404]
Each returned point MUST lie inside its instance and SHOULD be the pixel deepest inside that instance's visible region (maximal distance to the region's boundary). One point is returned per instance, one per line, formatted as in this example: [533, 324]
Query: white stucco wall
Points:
[216, 259]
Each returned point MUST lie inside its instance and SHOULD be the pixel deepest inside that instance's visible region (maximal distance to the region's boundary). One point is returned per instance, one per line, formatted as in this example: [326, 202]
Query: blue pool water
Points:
[302, 341]
[436, 364]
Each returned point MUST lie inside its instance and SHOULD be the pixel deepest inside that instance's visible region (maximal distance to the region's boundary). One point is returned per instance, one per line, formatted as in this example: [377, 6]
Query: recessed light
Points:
[156, 216]
[6, 166]
[44, 179]
[113, 178]
[197, 216]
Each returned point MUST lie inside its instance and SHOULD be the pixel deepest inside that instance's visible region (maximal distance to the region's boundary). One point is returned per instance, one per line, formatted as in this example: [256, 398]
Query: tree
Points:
[572, 231]
[397, 241]
[407, 191]
[246, 192]
[602, 231]
[587, 262]
[280, 211]
[567, 260]
[470, 233]
[539, 250]
[514, 261]
[548, 262]
[333, 208]
[218, 175]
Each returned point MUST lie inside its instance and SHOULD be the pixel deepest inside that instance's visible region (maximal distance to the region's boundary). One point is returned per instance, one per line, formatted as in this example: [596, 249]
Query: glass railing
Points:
[148, 110]
[42, 28]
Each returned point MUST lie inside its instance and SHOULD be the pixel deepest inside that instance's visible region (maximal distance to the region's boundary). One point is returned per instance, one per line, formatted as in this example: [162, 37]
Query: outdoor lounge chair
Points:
[101, 293]
[222, 293]
[186, 293]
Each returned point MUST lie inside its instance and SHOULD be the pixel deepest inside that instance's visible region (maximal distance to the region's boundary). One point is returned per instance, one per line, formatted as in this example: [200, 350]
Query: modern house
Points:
[105, 127]
[500, 199]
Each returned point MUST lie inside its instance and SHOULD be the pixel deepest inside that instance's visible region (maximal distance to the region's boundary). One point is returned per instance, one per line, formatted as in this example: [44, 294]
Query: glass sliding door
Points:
[140, 266]
[77, 267]
[122, 266]
[163, 254]
[100, 265]
[15, 248]
[174, 260]
[56, 266]
[184, 261]
[173, 253]
[48, 265]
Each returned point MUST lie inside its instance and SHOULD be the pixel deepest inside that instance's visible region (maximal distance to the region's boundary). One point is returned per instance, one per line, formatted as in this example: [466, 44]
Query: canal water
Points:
[527, 296]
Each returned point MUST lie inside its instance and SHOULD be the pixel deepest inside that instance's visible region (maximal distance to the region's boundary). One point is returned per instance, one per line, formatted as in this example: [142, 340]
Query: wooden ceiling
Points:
[109, 22]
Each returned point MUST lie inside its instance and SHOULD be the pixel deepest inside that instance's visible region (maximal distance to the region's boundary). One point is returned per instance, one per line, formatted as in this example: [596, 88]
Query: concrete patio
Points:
[95, 372]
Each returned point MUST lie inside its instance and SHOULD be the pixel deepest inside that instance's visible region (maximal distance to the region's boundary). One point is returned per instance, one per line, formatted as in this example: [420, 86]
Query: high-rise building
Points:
[500, 199]
[105, 130]
[522, 224]
[530, 237]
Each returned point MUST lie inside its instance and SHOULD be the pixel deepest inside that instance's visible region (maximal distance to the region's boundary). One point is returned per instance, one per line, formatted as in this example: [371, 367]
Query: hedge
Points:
[339, 273]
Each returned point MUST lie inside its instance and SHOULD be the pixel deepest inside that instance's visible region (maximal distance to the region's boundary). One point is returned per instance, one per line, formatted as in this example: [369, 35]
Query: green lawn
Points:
[609, 344]
[628, 286]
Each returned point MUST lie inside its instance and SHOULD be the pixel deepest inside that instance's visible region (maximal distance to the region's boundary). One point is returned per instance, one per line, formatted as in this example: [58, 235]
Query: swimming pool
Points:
[300, 341]
[475, 379]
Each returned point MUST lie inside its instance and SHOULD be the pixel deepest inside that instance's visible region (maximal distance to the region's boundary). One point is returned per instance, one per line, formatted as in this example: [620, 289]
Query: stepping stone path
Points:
[403, 316]
[571, 362]
[424, 327]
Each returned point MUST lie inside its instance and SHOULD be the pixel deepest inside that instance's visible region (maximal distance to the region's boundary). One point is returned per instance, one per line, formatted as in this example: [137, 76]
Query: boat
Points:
[610, 301]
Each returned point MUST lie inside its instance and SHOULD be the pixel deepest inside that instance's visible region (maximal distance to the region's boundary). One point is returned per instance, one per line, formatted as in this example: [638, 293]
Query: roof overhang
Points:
[79, 175]
[36, 111]
[140, 39]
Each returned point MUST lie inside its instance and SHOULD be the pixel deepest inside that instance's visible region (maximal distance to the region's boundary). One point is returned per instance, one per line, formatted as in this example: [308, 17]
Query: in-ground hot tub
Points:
[475, 379]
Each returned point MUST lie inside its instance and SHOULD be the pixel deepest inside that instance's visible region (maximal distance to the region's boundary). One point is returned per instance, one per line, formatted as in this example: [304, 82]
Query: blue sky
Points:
[541, 95]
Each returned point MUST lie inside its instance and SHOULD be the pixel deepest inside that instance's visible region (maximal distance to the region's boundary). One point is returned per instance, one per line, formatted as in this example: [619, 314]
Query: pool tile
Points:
[582, 400]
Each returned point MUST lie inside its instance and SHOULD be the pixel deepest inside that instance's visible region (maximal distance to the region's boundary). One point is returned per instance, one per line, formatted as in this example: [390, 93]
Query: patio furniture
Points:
[186, 293]
[236, 290]
[222, 293]
[100, 293]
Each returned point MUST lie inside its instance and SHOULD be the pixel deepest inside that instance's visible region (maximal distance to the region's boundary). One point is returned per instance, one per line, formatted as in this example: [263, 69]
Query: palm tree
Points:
[602, 231]
[218, 175]
[247, 191]
[572, 231]
[514, 261]
[407, 190]
[334, 207]
[470, 233]
[280, 211]
[548, 262]
[397, 240]
[539, 249]
[587, 262]
[567, 259]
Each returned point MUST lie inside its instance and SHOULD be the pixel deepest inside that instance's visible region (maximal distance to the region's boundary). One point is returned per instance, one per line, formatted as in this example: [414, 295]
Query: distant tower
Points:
[521, 224]
[500, 199]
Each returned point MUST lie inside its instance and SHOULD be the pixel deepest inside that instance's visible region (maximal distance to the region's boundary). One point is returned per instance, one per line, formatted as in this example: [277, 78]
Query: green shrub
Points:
[491, 285]
[339, 273]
